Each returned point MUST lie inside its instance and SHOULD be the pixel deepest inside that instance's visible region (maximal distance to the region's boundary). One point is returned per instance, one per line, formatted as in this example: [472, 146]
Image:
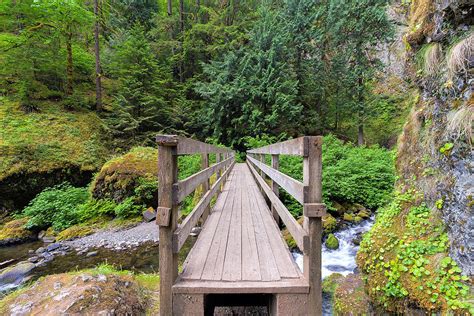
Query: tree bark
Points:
[360, 134]
[98, 75]
[181, 15]
[69, 64]
[170, 7]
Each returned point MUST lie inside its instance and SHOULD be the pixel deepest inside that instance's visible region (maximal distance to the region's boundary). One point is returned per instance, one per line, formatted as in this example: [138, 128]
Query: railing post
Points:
[167, 216]
[219, 173]
[276, 166]
[206, 185]
[312, 176]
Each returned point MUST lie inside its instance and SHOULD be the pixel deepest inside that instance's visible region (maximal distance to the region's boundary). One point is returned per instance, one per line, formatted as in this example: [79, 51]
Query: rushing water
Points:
[341, 260]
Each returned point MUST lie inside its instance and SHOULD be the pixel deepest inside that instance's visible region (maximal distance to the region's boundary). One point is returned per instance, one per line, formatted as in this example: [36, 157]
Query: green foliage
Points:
[446, 149]
[96, 208]
[128, 208]
[404, 257]
[56, 207]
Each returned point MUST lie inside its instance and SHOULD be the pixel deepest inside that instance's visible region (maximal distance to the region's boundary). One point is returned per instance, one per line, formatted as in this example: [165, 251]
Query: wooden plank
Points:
[290, 185]
[250, 263]
[297, 146]
[196, 260]
[182, 233]
[185, 187]
[232, 270]
[215, 261]
[186, 146]
[220, 287]
[268, 266]
[298, 233]
[285, 264]
[168, 166]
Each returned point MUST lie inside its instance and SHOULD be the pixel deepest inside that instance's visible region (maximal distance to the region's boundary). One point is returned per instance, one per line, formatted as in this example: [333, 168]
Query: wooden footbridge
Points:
[240, 257]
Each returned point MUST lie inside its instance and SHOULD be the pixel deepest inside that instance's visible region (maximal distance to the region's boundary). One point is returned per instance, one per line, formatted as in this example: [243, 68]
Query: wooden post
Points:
[206, 184]
[219, 173]
[276, 166]
[167, 218]
[312, 168]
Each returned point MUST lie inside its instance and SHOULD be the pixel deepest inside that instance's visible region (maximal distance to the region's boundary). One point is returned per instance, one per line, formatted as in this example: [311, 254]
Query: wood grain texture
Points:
[295, 147]
[290, 185]
[187, 146]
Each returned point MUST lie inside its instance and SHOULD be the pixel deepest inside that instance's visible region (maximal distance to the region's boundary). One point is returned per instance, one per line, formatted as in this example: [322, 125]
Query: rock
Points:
[41, 234]
[6, 263]
[332, 242]
[149, 214]
[92, 254]
[49, 239]
[40, 250]
[101, 278]
[357, 219]
[52, 247]
[33, 259]
[331, 282]
[339, 209]
[364, 214]
[329, 224]
[14, 275]
[357, 239]
[31, 251]
[348, 217]
[195, 231]
[350, 297]
[57, 285]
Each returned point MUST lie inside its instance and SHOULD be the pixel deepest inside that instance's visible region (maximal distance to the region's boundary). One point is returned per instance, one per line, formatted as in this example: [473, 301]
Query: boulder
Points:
[350, 297]
[348, 217]
[329, 224]
[15, 232]
[332, 242]
[14, 275]
[53, 246]
[149, 214]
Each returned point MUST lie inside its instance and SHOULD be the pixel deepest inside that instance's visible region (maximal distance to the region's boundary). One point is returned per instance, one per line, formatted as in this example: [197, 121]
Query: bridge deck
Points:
[240, 249]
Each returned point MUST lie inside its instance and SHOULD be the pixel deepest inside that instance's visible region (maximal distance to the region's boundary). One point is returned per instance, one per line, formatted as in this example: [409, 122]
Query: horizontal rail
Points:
[185, 187]
[290, 185]
[299, 233]
[297, 147]
[187, 146]
[182, 233]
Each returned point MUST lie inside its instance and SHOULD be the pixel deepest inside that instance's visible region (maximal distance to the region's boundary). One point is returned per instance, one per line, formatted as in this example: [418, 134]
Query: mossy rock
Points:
[331, 282]
[45, 148]
[131, 175]
[74, 232]
[15, 232]
[358, 219]
[348, 217]
[332, 242]
[350, 298]
[290, 241]
[87, 293]
[364, 214]
[329, 224]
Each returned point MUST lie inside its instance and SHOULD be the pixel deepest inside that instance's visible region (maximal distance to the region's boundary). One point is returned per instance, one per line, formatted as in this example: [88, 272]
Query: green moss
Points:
[329, 224]
[15, 230]
[50, 139]
[350, 297]
[446, 149]
[332, 242]
[74, 232]
[331, 282]
[348, 217]
[404, 259]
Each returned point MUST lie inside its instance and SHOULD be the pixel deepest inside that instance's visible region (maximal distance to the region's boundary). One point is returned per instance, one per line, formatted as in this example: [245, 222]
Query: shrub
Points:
[95, 208]
[128, 208]
[56, 207]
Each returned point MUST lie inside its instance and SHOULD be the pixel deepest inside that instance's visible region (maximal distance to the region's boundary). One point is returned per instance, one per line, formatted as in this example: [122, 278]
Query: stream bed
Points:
[144, 258]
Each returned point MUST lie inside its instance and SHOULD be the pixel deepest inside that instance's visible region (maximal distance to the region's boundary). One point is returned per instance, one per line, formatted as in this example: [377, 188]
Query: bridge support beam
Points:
[167, 175]
[312, 176]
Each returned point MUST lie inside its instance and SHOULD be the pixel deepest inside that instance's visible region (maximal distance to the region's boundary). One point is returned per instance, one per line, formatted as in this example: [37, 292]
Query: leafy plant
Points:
[56, 207]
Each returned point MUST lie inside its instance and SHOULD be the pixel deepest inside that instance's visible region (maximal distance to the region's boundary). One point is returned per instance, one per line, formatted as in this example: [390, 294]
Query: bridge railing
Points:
[308, 193]
[172, 192]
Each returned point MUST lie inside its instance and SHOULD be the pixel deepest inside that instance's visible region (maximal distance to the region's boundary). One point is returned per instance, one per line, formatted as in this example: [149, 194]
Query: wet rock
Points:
[41, 234]
[6, 263]
[14, 275]
[40, 250]
[149, 214]
[52, 247]
[348, 217]
[31, 251]
[357, 239]
[33, 259]
[49, 239]
[92, 254]
[195, 231]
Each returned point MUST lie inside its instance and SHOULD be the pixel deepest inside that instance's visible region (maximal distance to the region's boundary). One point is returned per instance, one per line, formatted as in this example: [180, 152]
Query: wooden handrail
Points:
[297, 147]
[187, 146]
[184, 187]
[290, 185]
[298, 233]
[171, 192]
[181, 234]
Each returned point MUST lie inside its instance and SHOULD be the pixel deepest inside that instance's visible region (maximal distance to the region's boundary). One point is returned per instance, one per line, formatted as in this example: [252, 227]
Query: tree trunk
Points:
[360, 134]
[181, 15]
[98, 75]
[170, 7]
[69, 64]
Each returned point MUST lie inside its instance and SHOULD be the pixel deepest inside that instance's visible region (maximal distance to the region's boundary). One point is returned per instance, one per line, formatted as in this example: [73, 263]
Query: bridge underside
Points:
[240, 251]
